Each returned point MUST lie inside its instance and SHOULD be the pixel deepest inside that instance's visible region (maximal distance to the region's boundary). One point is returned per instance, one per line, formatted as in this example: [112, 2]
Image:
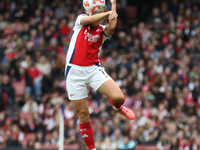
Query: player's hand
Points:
[113, 15]
[113, 1]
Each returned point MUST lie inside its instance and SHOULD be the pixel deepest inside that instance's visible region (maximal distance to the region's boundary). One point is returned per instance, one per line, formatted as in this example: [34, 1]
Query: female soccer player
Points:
[84, 69]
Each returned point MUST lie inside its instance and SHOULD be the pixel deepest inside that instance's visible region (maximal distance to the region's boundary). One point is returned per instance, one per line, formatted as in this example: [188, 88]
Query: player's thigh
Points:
[81, 108]
[76, 85]
[101, 82]
[111, 90]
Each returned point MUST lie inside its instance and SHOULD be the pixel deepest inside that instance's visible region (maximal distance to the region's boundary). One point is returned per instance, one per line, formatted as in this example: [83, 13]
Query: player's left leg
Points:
[112, 91]
[101, 82]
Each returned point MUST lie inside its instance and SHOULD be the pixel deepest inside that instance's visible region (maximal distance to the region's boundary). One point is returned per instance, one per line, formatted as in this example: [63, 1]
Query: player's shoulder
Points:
[81, 15]
[78, 21]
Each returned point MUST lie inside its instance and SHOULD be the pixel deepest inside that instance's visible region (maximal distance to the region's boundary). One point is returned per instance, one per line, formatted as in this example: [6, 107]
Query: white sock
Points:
[93, 149]
[117, 108]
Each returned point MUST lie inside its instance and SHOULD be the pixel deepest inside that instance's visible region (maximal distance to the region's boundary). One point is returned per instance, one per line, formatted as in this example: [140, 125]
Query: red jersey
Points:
[85, 44]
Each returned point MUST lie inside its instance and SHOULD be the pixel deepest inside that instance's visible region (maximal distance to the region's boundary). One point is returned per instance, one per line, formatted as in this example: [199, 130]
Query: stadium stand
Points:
[153, 56]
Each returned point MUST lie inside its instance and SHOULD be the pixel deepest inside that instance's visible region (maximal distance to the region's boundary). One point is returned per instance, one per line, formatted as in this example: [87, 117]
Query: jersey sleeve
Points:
[78, 20]
[104, 35]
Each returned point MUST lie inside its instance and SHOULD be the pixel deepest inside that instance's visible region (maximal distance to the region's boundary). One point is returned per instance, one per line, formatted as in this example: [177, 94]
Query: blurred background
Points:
[153, 56]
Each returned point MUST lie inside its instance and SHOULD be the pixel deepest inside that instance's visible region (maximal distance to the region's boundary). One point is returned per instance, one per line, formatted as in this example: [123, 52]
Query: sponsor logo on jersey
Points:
[91, 38]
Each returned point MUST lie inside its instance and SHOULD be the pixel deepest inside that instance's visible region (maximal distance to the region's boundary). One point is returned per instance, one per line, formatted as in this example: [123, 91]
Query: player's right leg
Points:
[86, 130]
[77, 93]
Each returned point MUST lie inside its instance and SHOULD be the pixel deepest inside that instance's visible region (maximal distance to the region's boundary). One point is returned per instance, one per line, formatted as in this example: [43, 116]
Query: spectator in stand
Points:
[7, 126]
[57, 87]
[40, 137]
[45, 68]
[108, 144]
[7, 88]
[15, 128]
[55, 138]
[156, 64]
[117, 137]
[56, 64]
[13, 141]
[39, 125]
[64, 28]
[36, 78]
[127, 144]
[2, 118]
[30, 144]
[174, 144]
[24, 77]
[2, 143]
[37, 145]
[1, 101]
[156, 17]
[30, 105]
[70, 132]
[54, 46]
[24, 125]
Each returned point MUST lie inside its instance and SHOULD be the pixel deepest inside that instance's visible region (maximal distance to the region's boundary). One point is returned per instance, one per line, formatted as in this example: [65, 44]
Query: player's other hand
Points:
[113, 1]
[113, 15]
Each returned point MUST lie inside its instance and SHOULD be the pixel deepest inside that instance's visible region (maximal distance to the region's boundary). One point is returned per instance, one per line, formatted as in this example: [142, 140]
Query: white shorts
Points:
[79, 77]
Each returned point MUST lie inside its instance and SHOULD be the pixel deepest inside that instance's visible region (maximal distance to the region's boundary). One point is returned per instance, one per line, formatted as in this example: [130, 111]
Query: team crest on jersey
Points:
[98, 30]
[91, 38]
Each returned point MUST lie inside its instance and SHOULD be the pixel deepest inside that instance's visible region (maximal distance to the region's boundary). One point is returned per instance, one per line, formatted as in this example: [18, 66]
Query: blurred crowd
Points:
[153, 56]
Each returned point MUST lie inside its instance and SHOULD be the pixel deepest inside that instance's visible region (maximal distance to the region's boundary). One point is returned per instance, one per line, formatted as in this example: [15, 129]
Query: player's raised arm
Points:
[94, 18]
[112, 19]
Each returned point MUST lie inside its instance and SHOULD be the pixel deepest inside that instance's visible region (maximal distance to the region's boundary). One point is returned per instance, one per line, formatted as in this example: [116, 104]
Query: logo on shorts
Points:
[71, 95]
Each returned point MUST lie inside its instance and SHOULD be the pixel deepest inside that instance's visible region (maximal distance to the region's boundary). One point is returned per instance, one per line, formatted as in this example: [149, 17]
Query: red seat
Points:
[19, 88]
[27, 137]
[28, 116]
[30, 136]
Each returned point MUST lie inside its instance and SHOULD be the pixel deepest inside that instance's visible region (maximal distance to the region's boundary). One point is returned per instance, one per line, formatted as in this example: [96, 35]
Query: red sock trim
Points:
[117, 105]
[87, 134]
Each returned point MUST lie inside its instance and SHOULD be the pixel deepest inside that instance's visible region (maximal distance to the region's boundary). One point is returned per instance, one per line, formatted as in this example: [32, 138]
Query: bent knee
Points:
[83, 116]
[118, 98]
